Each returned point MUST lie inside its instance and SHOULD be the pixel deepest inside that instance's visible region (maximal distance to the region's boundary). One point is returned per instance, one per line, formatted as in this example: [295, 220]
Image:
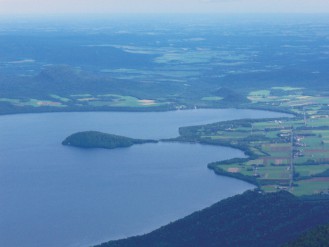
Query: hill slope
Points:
[318, 237]
[250, 219]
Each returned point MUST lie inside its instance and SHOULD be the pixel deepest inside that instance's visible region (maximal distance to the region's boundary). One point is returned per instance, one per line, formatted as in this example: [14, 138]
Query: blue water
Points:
[51, 195]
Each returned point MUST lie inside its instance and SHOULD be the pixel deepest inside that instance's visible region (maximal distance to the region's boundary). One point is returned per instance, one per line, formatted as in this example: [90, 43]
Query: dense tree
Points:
[250, 219]
[95, 139]
[318, 237]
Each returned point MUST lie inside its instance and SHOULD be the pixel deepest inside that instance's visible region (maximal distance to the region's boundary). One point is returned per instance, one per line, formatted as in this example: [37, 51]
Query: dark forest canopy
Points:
[95, 139]
[250, 219]
[318, 237]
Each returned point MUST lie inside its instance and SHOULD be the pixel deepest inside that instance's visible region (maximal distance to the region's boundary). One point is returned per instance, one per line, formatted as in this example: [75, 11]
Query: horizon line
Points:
[102, 14]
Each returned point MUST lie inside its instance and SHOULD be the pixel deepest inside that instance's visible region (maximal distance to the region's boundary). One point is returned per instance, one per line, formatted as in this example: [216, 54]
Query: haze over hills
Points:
[160, 63]
[175, 61]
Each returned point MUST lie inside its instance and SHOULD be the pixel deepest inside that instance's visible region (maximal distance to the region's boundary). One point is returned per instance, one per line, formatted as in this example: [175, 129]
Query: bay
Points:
[51, 195]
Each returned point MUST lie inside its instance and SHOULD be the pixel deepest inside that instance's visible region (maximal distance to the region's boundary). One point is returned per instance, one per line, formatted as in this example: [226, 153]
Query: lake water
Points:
[52, 195]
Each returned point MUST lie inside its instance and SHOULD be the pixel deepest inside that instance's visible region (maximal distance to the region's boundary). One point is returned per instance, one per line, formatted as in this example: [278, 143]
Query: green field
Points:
[85, 100]
[32, 102]
[284, 154]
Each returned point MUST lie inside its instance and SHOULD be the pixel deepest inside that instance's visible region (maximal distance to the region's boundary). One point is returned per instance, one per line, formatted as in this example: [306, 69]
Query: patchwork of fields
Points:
[284, 154]
[84, 100]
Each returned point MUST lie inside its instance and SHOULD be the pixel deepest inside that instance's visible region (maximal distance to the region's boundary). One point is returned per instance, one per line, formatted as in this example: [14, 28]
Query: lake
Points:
[52, 195]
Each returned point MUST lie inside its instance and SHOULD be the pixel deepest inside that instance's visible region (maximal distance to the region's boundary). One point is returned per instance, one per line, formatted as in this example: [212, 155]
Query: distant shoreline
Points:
[131, 109]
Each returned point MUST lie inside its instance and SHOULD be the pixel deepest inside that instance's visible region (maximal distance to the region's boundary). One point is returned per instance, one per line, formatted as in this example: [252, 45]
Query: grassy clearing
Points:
[80, 95]
[311, 186]
[212, 98]
[114, 100]
[82, 100]
[60, 98]
[304, 170]
[287, 88]
[33, 102]
[41, 103]
[12, 101]
[260, 93]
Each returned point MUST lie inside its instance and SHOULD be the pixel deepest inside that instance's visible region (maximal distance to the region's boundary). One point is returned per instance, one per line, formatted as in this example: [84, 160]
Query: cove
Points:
[51, 195]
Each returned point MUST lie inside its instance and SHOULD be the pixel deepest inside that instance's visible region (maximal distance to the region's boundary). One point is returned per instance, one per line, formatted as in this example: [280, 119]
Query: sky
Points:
[161, 6]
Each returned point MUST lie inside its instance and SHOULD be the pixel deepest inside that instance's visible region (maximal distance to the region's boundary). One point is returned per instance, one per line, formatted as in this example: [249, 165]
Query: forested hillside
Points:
[318, 237]
[251, 219]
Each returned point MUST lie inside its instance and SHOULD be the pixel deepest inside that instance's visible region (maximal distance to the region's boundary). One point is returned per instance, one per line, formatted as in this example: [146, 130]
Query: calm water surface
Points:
[51, 195]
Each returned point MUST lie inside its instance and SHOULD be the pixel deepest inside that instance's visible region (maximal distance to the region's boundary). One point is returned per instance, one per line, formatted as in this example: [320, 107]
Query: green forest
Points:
[95, 139]
[317, 237]
[249, 220]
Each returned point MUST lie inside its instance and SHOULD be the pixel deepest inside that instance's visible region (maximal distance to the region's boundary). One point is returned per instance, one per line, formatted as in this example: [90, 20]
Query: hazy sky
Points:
[156, 6]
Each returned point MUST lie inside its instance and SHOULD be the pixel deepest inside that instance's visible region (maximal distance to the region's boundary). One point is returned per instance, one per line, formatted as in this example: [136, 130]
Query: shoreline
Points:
[176, 110]
[145, 109]
[211, 166]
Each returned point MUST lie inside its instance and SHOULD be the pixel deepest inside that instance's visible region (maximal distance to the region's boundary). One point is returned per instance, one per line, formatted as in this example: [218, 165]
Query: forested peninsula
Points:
[95, 139]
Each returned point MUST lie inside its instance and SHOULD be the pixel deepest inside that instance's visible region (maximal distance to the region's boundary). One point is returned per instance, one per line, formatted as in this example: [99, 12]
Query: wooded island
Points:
[95, 139]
